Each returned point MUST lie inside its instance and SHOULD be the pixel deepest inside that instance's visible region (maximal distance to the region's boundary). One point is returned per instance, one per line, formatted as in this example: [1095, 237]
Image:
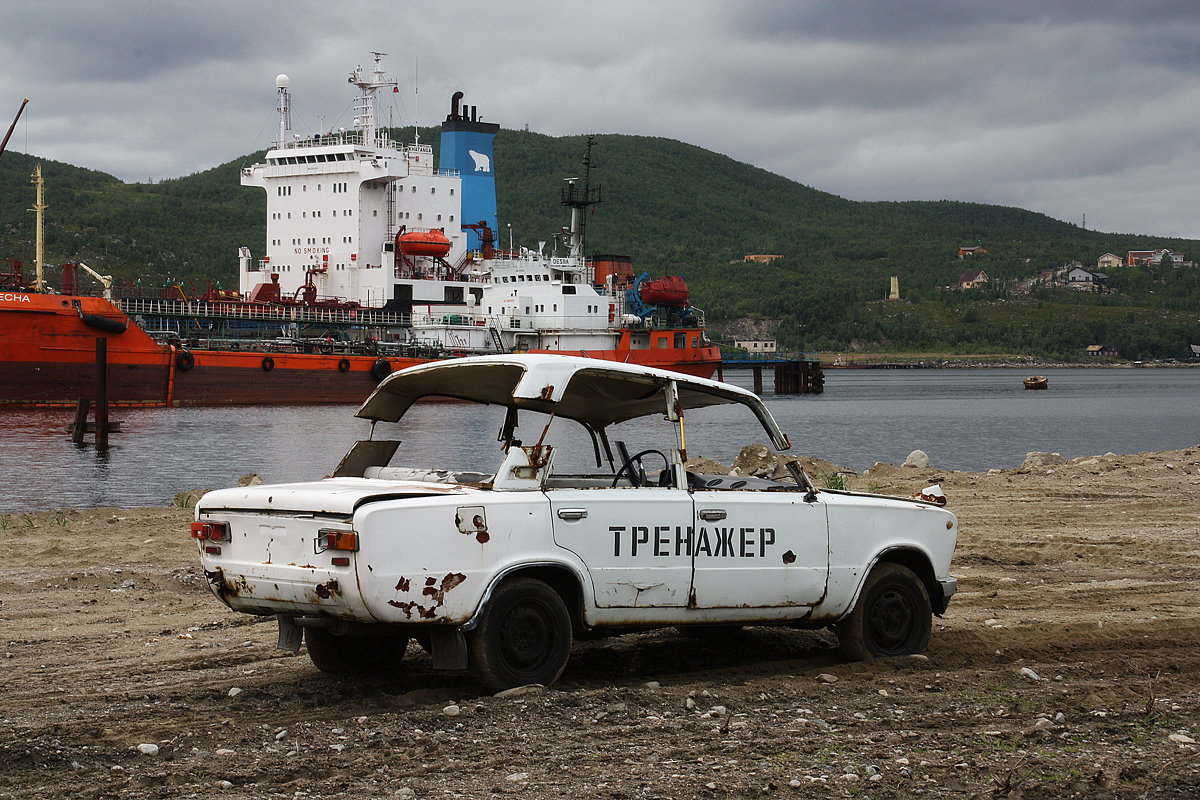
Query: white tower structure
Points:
[285, 110]
[336, 201]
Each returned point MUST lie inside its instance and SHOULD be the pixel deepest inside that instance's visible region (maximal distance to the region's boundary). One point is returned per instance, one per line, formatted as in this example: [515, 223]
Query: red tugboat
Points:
[351, 287]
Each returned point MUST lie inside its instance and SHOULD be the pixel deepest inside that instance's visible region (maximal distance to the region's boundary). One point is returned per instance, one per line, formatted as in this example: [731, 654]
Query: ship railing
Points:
[234, 310]
[693, 318]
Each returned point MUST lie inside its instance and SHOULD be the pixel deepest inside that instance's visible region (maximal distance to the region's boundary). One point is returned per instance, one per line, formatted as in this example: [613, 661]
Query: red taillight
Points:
[336, 540]
[211, 531]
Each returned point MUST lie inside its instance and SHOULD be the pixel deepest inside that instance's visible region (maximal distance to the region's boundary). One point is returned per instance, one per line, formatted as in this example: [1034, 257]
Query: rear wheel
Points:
[524, 636]
[892, 617]
[353, 655]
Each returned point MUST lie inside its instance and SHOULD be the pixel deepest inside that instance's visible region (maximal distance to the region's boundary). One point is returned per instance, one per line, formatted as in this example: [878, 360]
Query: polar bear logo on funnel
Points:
[482, 162]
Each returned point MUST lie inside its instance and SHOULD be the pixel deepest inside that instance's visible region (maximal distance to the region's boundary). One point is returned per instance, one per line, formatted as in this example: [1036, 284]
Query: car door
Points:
[758, 549]
[634, 542]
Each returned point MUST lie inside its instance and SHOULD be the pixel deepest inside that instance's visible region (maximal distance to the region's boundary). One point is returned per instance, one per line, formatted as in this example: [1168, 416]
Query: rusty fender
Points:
[435, 593]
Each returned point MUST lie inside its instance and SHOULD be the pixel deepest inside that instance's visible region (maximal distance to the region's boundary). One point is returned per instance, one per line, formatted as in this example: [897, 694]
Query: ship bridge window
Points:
[568, 290]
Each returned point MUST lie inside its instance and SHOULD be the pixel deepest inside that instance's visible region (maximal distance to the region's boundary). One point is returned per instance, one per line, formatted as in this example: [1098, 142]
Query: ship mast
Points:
[284, 108]
[365, 106]
[578, 199]
[39, 281]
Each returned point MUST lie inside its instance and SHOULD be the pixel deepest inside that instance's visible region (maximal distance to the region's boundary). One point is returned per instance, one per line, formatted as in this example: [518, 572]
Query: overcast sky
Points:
[1067, 108]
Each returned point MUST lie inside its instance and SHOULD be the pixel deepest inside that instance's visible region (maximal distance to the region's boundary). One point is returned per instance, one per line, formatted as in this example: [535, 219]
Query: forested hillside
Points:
[678, 208]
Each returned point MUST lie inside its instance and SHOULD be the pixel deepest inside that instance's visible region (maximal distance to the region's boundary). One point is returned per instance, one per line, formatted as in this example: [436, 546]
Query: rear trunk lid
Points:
[333, 496]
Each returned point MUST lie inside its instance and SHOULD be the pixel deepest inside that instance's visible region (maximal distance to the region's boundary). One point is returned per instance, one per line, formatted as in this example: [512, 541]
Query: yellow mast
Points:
[39, 282]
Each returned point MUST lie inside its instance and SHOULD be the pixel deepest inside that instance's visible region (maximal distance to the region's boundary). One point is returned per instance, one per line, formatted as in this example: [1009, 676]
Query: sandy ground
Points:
[1067, 666]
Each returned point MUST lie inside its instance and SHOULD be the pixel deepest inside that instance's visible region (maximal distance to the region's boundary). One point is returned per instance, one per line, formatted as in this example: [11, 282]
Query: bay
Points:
[964, 419]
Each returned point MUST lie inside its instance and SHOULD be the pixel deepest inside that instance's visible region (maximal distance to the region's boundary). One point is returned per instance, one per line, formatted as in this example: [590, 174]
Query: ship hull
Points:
[48, 358]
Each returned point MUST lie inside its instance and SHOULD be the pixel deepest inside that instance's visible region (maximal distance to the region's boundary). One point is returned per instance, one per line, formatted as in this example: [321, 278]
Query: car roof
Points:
[591, 391]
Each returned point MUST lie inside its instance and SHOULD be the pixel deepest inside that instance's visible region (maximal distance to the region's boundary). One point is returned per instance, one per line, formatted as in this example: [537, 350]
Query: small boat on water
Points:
[1037, 382]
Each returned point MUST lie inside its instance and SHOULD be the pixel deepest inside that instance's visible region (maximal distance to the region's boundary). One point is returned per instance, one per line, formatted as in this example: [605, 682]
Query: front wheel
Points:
[524, 636]
[353, 655]
[892, 617]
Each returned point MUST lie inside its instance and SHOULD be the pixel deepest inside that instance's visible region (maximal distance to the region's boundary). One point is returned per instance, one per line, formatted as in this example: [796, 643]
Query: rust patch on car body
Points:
[328, 589]
[432, 590]
[472, 520]
[411, 606]
[438, 593]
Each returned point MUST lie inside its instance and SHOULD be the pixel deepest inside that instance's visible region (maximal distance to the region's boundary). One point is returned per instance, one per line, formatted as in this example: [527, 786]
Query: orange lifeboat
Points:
[671, 290]
[424, 243]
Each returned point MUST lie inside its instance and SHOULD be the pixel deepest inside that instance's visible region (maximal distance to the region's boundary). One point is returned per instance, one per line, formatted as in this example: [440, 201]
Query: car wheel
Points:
[353, 655]
[892, 616]
[524, 636]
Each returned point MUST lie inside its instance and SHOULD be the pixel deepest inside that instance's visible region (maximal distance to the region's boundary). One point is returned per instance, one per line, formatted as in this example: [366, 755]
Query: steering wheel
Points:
[638, 476]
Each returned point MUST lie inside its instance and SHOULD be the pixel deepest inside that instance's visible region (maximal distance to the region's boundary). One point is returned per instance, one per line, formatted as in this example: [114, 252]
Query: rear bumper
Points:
[270, 591]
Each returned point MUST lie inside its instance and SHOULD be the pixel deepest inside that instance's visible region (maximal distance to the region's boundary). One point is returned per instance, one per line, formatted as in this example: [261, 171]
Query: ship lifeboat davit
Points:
[424, 243]
[671, 290]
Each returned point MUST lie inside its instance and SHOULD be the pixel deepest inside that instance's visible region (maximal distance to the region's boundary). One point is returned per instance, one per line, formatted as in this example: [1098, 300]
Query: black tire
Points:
[381, 369]
[344, 365]
[353, 655]
[268, 364]
[185, 361]
[892, 617]
[524, 636]
[106, 324]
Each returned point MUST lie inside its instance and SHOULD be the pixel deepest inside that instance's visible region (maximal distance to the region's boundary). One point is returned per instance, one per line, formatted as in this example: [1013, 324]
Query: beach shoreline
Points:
[1067, 665]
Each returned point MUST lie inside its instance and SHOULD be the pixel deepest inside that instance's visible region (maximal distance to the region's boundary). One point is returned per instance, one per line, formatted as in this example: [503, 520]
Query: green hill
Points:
[681, 209]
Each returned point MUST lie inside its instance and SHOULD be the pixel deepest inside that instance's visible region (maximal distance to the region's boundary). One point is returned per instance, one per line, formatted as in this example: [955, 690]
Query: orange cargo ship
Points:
[351, 287]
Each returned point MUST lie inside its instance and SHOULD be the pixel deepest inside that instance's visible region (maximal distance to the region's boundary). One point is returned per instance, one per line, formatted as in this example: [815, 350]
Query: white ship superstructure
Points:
[335, 201]
[355, 219]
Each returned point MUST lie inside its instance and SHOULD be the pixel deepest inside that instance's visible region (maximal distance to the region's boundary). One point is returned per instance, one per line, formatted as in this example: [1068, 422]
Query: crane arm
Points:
[4, 144]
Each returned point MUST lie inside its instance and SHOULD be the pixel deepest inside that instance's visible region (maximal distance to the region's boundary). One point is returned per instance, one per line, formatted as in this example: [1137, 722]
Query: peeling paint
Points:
[328, 589]
[432, 590]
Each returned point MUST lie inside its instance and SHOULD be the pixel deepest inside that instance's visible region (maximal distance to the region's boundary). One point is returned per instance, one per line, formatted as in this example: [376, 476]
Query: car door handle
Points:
[572, 513]
[712, 514]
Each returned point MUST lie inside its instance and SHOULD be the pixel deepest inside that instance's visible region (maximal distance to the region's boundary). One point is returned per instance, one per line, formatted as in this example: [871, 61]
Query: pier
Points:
[794, 373]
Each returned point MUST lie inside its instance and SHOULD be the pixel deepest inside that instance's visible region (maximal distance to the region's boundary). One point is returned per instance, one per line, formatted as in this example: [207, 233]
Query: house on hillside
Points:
[1154, 258]
[756, 345]
[972, 279]
[1194, 349]
[1102, 350]
[760, 258]
[1086, 280]
[966, 252]
[1109, 261]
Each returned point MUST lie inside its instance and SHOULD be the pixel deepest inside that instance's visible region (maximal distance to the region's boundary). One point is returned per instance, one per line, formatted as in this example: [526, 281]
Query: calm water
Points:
[964, 419]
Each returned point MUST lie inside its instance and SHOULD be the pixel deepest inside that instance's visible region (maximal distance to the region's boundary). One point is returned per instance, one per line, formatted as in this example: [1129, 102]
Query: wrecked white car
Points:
[497, 571]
